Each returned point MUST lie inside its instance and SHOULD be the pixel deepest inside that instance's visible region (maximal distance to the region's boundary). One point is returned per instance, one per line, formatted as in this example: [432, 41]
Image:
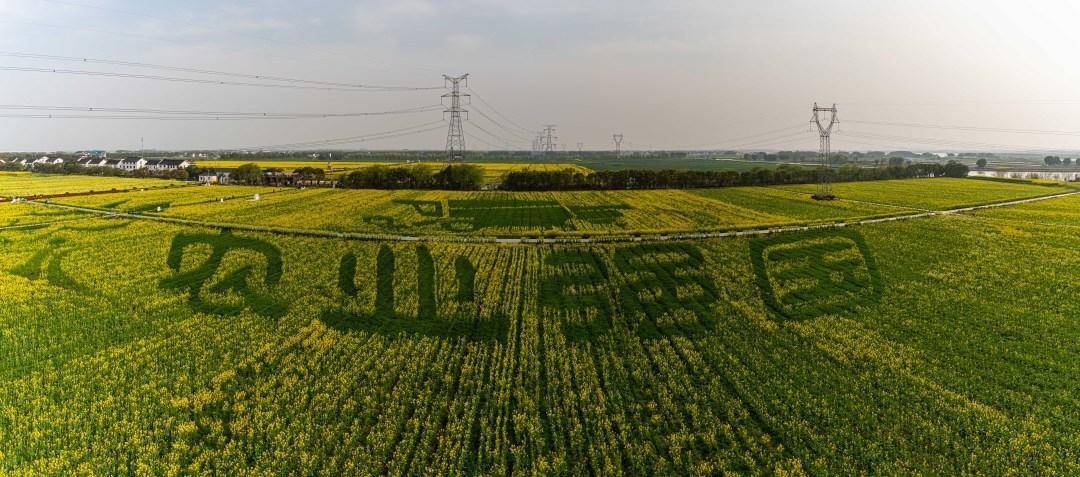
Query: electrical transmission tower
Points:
[547, 139]
[618, 144]
[579, 146]
[824, 129]
[455, 137]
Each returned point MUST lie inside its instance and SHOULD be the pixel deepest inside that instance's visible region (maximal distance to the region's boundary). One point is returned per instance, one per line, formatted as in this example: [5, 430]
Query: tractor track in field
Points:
[629, 237]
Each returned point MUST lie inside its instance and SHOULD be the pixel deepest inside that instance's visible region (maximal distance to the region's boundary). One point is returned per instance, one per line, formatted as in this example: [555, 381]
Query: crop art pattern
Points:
[139, 347]
[809, 276]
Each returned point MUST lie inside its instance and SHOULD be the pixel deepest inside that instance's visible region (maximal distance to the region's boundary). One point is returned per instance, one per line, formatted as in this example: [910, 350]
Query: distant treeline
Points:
[451, 177]
[72, 168]
[570, 179]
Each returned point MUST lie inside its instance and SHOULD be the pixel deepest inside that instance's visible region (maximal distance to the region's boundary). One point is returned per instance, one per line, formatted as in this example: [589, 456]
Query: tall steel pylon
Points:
[824, 131]
[547, 139]
[455, 136]
[618, 144]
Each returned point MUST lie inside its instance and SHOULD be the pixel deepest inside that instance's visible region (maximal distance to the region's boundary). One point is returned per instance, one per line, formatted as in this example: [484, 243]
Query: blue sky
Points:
[666, 74]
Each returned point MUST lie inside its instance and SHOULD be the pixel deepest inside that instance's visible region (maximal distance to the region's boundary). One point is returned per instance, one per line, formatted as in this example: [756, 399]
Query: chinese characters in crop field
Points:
[651, 289]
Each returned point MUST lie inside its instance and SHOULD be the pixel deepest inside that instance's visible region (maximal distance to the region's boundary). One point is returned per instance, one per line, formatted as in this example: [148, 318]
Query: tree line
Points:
[73, 168]
[419, 176]
[570, 179]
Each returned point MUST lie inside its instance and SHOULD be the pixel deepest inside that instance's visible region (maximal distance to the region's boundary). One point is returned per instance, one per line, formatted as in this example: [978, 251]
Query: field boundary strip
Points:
[47, 223]
[675, 236]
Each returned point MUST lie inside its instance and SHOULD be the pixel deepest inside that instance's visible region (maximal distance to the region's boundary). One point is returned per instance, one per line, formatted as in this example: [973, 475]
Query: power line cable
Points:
[967, 128]
[497, 137]
[497, 112]
[202, 81]
[951, 143]
[283, 79]
[263, 39]
[500, 125]
[352, 139]
[725, 142]
[195, 114]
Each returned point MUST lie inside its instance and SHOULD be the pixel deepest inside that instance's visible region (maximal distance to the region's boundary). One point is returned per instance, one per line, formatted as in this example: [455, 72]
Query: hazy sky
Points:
[671, 74]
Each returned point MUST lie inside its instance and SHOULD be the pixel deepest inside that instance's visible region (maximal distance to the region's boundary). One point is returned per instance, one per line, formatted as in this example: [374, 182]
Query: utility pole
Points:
[824, 130]
[547, 139]
[618, 144]
[455, 136]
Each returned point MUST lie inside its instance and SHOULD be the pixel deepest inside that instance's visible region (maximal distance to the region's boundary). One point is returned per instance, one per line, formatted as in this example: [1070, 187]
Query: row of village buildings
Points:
[127, 163]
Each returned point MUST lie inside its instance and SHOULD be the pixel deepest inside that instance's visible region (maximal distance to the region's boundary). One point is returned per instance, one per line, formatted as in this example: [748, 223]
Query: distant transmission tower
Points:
[455, 137]
[824, 130]
[547, 139]
[618, 144]
[580, 145]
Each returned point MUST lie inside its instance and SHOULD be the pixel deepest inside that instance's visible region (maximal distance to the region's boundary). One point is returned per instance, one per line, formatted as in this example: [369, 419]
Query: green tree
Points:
[981, 162]
[310, 173]
[248, 174]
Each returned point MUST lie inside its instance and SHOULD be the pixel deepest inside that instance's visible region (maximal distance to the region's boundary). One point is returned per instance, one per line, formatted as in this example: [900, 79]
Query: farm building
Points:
[214, 177]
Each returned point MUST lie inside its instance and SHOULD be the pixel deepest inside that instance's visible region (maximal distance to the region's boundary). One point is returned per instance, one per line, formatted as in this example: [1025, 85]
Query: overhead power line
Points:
[950, 143]
[729, 141]
[261, 77]
[501, 139]
[500, 125]
[264, 39]
[969, 128]
[174, 79]
[417, 129]
[498, 113]
[481, 141]
[193, 115]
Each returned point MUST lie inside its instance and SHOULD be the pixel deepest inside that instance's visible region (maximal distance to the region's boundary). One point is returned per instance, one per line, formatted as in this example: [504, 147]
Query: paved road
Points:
[555, 240]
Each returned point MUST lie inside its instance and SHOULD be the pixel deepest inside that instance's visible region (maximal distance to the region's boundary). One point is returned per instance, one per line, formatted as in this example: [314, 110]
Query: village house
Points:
[131, 163]
[167, 164]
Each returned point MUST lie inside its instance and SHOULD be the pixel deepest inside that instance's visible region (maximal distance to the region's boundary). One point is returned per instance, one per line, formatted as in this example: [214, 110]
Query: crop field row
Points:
[935, 194]
[21, 184]
[149, 200]
[494, 213]
[1058, 212]
[579, 213]
[21, 214]
[895, 348]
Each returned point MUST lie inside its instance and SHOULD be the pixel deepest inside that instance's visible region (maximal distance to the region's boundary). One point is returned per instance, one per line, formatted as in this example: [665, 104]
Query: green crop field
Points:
[22, 184]
[149, 200]
[937, 194]
[944, 345]
[567, 213]
[501, 213]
